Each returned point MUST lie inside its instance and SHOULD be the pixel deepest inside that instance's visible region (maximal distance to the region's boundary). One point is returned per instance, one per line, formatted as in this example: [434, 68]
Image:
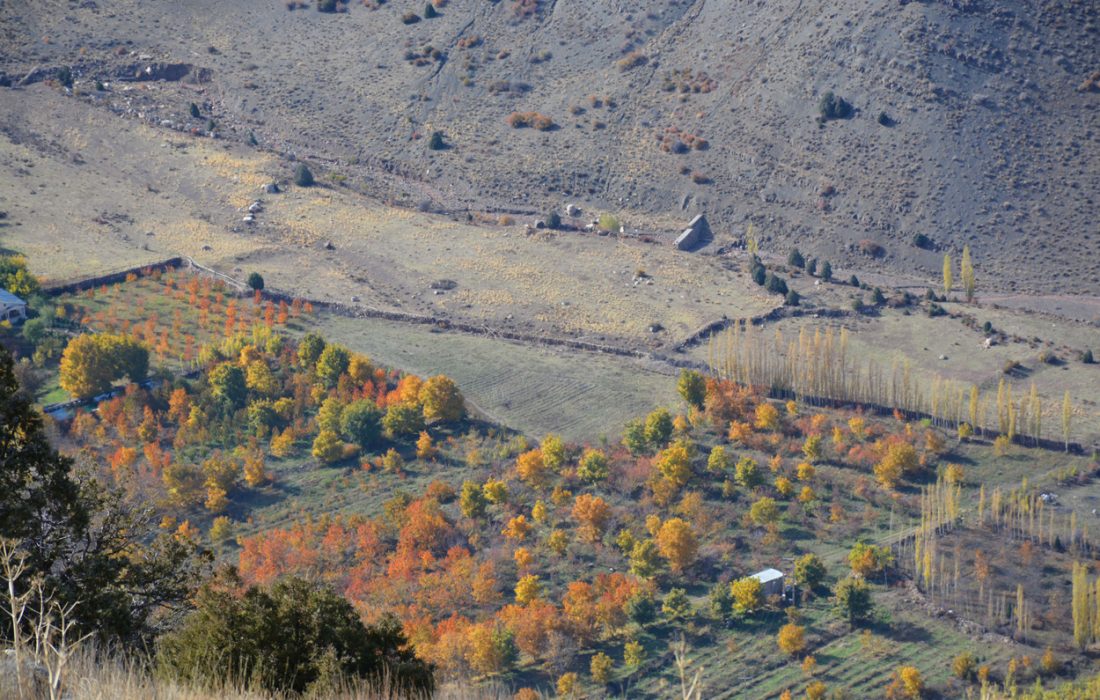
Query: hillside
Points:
[990, 136]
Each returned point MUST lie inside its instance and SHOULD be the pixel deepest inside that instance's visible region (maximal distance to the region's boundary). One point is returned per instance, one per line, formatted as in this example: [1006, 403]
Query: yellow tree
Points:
[1067, 417]
[532, 468]
[591, 513]
[947, 276]
[966, 272]
[791, 639]
[748, 594]
[677, 543]
[528, 589]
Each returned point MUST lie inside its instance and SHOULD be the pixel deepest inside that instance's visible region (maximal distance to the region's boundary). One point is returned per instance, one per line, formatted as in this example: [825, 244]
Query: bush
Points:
[826, 271]
[430, 11]
[609, 222]
[877, 297]
[65, 76]
[302, 176]
[759, 274]
[792, 298]
[833, 107]
[922, 241]
[811, 267]
[326, 5]
[194, 109]
[795, 259]
[775, 284]
[1086, 357]
[255, 281]
[436, 142]
[854, 281]
[410, 18]
[289, 638]
[539, 122]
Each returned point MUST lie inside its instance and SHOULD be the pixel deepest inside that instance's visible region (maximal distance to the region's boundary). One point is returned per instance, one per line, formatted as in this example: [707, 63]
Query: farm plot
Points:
[534, 390]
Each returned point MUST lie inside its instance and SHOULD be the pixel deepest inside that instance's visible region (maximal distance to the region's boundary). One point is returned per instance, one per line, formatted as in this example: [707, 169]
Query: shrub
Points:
[922, 241]
[326, 5]
[194, 109]
[871, 248]
[609, 222]
[826, 271]
[539, 122]
[436, 141]
[65, 76]
[288, 638]
[792, 298]
[877, 297]
[775, 284]
[430, 11]
[553, 220]
[632, 60]
[854, 281]
[795, 259]
[410, 18]
[1086, 357]
[302, 176]
[759, 274]
[833, 106]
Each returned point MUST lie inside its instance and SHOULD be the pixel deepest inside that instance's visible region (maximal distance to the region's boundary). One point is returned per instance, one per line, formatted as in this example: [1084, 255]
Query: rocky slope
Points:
[973, 121]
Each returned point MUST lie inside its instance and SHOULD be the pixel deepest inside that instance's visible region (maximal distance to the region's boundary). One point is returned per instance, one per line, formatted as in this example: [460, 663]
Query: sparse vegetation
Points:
[833, 106]
[539, 122]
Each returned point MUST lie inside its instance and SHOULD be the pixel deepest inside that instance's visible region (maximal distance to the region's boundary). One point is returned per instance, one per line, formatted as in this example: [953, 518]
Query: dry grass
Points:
[95, 675]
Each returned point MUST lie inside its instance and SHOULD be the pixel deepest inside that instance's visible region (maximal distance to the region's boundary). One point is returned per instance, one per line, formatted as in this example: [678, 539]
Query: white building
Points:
[12, 308]
[772, 580]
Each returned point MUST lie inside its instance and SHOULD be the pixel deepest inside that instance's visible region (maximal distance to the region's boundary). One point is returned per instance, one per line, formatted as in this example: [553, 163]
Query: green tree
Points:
[658, 428]
[90, 545]
[634, 437]
[290, 638]
[227, 385]
[332, 363]
[676, 605]
[809, 571]
[303, 177]
[361, 422]
[645, 559]
[764, 511]
[748, 474]
[719, 461]
[255, 281]
[826, 271]
[403, 419]
[472, 500]
[16, 278]
[310, 348]
[692, 387]
[593, 466]
[720, 599]
[795, 259]
[852, 596]
[328, 447]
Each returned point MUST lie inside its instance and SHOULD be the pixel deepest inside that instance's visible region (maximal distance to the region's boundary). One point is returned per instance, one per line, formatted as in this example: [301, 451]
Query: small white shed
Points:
[772, 580]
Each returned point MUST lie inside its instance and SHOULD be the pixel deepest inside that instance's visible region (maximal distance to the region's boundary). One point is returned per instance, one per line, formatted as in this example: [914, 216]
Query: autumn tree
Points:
[947, 274]
[869, 559]
[900, 459]
[645, 559]
[442, 400]
[767, 417]
[471, 500]
[791, 639]
[748, 595]
[908, 684]
[677, 543]
[674, 462]
[966, 272]
[764, 512]
[748, 473]
[600, 667]
[310, 348]
[328, 447]
[532, 468]
[92, 362]
[719, 461]
[425, 448]
[592, 514]
[227, 385]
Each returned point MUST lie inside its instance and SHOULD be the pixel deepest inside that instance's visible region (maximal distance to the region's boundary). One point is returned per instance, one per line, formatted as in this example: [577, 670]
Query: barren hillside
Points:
[973, 121]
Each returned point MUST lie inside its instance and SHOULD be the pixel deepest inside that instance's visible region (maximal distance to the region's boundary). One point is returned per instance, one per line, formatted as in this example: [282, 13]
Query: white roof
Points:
[767, 575]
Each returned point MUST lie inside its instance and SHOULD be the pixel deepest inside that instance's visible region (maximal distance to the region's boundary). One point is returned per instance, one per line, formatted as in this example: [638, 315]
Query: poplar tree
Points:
[966, 271]
[947, 276]
[1067, 416]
